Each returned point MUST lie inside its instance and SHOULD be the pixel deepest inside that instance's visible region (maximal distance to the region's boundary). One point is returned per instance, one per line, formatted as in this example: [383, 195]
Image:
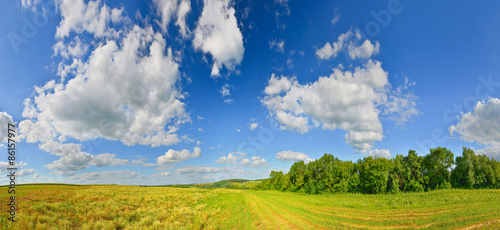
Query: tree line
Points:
[376, 175]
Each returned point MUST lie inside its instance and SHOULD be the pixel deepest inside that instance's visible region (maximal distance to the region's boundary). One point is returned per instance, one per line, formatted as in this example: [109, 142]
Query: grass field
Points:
[133, 207]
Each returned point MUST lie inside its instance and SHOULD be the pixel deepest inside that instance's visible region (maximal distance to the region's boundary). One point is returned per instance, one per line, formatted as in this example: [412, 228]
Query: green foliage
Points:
[227, 183]
[475, 171]
[437, 165]
[374, 175]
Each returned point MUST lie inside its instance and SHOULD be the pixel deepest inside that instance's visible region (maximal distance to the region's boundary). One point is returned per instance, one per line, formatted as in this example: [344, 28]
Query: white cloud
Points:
[217, 33]
[354, 49]
[143, 163]
[125, 95]
[125, 90]
[231, 158]
[168, 9]
[245, 161]
[70, 163]
[337, 16]
[26, 4]
[203, 170]
[366, 50]
[228, 101]
[93, 18]
[238, 130]
[291, 156]
[254, 125]
[278, 85]
[200, 129]
[401, 105]
[74, 49]
[225, 91]
[291, 122]
[164, 174]
[489, 152]
[5, 120]
[258, 162]
[108, 177]
[379, 153]
[107, 159]
[201, 118]
[279, 46]
[182, 12]
[333, 49]
[349, 100]
[25, 172]
[6, 164]
[482, 125]
[173, 156]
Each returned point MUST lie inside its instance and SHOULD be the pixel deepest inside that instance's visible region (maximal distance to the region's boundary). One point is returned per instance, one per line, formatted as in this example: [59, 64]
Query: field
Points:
[133, 207]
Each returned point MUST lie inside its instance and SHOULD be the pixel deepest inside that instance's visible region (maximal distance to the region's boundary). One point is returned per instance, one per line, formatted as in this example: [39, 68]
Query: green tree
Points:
[374, 174]
[436, 167]
[413, 181]
[463, 175]
[297, 176]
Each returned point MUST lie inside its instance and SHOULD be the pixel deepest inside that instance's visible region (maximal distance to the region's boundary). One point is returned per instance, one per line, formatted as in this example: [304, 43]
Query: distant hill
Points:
[231, 183]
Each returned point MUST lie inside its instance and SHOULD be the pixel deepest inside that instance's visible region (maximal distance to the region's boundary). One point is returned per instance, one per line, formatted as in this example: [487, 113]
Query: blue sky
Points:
[187, 91]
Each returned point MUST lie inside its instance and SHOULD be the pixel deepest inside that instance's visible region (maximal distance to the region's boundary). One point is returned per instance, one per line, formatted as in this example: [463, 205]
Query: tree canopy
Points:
[375, 175]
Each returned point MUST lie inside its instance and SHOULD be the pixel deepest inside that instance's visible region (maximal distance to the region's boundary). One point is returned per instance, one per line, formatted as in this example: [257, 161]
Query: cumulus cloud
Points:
[231, 158]
[173, 156]
[481, 125]
[366, 50]
[121, 95]
[351, 42]
[333, 49]
[379, 153]
[253, 126]
[25, 172]
[74, 49]
[348, 100]
[168, 9]
[5, 120]
[125, 89]
[107, 159]
[245, 161]
[94, 18]
[69, 164]
[291, 156]
[258, 162]
[217, 34]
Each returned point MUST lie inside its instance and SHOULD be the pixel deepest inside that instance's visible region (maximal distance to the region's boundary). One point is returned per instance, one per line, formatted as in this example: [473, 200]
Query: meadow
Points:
[135, 207]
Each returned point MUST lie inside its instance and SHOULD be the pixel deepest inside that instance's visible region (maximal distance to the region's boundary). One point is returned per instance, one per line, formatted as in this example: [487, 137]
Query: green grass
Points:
[135, 207]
